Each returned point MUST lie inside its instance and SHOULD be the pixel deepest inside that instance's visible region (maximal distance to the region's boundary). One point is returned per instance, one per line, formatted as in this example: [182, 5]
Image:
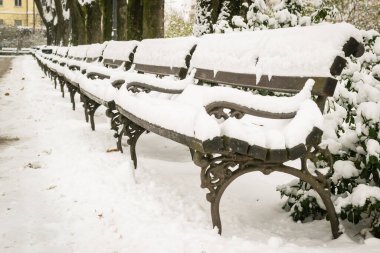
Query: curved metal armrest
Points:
[118, 83]
[95, 75]
[136, 87]
[74, 67]
[223, 109]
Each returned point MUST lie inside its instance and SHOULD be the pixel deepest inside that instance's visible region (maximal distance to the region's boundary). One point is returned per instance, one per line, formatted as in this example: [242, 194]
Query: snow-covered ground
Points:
[61, 191]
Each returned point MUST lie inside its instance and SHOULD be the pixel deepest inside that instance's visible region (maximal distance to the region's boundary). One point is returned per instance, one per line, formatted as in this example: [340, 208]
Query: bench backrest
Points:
[78, 52]
[95, 52]
[278, 60]
[118, 53]
[62, 51]
[170, 56]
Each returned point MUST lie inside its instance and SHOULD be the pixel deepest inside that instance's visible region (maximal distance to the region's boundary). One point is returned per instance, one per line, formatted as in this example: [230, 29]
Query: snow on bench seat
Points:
[202, 96]
[275, 134]
[179, 117]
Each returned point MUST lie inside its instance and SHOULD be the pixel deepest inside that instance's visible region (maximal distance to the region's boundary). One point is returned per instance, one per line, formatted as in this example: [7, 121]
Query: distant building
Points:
[19, 13]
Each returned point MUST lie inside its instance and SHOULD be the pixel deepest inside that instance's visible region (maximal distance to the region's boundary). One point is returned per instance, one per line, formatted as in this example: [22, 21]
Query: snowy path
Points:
[60, 191]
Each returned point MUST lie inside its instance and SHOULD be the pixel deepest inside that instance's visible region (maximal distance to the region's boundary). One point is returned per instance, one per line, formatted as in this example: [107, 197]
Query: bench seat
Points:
[104, 91]
[189, 118]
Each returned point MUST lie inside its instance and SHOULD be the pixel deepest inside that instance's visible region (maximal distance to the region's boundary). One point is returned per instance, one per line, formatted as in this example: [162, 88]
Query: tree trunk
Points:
[47, 23]
[107, 19]
[153, 18]
[78, 24]
[122, 20]
[62, 27]
[94, 23]
[134, 20]
[216, 5]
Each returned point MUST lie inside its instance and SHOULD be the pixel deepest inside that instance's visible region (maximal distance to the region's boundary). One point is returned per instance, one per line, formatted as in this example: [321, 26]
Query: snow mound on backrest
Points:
[96, 50]
[119, 50]
[168, 52]
[297, 51]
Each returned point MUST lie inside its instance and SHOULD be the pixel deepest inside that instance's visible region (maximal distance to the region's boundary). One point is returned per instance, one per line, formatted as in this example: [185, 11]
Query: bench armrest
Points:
[74, 67]
[223, 109]
[96, 75]
[136, 87]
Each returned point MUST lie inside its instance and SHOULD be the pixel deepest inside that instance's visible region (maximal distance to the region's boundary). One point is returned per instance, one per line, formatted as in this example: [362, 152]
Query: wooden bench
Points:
[229, 130]
[116, 57]
[153, 60]
[79, 68]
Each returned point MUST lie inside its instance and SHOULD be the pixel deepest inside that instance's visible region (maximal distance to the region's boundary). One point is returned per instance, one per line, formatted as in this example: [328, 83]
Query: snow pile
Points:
[376, 47]
[359, 196]
[344, 169]
[62, 51]
[267, 133]
[96, 50]
[181, 118]
[370, 111]
[297, 51]
[119, 50]
[168, 52]
[204, 95]
[84, 2]
[373, 148]
[78, 52]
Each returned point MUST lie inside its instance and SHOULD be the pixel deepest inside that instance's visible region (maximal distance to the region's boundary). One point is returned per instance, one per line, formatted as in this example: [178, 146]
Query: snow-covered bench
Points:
[116, 57]
[76, 57]
[155, 61]
[56, 64]
[78, 68]
[231, 131]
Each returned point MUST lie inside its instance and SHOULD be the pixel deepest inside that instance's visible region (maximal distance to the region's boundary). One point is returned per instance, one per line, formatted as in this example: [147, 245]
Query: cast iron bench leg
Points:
[84, 99]
[62, 83]
[133, 131]
[91, 107]
[72, 91]
[217, 175]
[117, 126]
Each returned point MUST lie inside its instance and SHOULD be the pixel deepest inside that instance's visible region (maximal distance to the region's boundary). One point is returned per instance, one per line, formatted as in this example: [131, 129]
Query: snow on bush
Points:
[352, 135]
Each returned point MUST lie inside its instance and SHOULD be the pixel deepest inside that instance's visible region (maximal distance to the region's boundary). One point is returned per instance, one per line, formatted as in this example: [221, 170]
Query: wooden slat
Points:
[151, 87]
[161, 70]
[113, 63]
[324, 86]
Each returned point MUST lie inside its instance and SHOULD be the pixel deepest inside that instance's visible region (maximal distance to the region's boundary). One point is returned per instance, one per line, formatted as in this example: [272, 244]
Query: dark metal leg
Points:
[219, 171]
[115, 125]
[92, 106]
[133, 132]
[84, 99]
[72, 91]
[62, 83]
[55, 82]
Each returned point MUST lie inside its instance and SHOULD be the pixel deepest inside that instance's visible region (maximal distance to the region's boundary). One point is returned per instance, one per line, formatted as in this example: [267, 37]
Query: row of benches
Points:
[206, 93]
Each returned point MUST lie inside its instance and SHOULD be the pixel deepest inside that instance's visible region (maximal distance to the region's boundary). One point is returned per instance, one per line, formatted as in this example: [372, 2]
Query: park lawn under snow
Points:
[61, 191]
